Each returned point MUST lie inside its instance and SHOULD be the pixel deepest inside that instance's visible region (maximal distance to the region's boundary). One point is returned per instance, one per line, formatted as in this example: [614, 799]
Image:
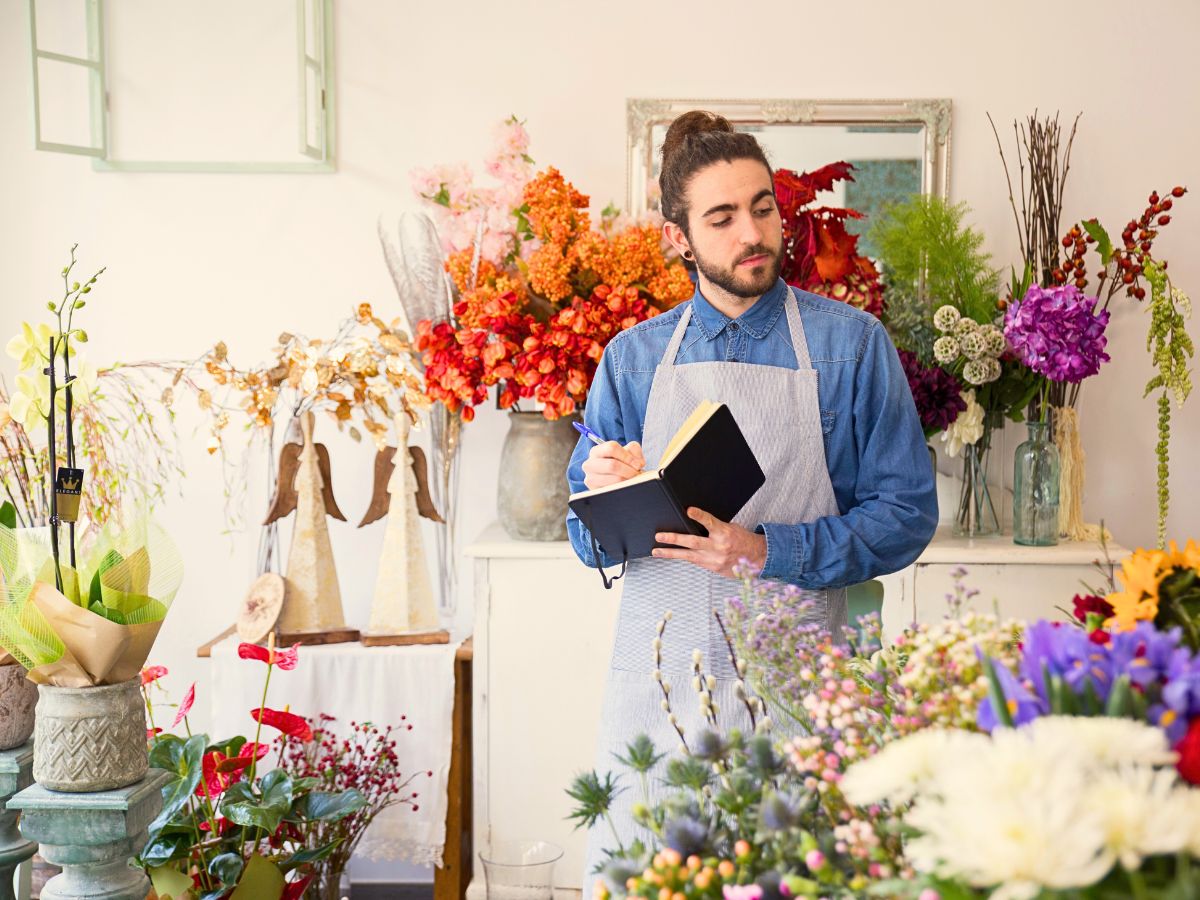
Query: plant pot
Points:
[90, 739]
[18, 697]
[533, 492]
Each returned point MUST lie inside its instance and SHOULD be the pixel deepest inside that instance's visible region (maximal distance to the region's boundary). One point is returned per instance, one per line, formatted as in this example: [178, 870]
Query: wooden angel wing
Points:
[331, 507]
[380, 498]
[283, 503]
[424, 499]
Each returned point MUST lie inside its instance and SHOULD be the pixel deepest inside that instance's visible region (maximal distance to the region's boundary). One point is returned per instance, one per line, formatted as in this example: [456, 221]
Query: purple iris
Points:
[1022, 705]
[1057, 332]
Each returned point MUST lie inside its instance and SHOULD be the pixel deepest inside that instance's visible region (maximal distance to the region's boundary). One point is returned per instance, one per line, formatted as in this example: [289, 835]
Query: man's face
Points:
[736, 233]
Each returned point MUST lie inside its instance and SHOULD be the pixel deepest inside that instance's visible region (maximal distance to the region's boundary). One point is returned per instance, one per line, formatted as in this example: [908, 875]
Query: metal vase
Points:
[91, 738]
[533, 492]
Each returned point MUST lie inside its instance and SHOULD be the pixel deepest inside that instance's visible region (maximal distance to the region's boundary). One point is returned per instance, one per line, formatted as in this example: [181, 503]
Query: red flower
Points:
[1100, 636]
[289, 723]
[186, 706]
[285, 659]
[151, 732]
[151, 674]
[1090, 603]
[1189, 753]
[223, 825]
[217, 775]
[295, 890]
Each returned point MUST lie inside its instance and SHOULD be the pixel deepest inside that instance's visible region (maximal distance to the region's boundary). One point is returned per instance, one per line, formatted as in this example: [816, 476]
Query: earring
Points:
[687, 254]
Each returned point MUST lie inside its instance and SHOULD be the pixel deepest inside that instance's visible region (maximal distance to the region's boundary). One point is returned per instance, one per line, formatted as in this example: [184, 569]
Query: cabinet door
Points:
[1014, 591]
[550, 632]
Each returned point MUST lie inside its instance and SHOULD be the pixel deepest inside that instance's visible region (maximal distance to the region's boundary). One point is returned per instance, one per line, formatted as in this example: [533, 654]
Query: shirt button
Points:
[733, 326]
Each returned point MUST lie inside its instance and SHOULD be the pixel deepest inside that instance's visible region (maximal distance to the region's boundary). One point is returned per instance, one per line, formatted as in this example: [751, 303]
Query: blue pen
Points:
[588, 433]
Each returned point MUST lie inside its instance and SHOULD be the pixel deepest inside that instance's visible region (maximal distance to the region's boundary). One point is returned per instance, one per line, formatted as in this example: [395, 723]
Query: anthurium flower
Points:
[295, 890]
[151, 733]
[217, 776]
[151, 674]
[186, 706]
[289, 723]
[285, 659]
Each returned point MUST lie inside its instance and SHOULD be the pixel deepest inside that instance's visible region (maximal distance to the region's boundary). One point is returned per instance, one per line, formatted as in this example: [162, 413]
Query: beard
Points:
[747, 284]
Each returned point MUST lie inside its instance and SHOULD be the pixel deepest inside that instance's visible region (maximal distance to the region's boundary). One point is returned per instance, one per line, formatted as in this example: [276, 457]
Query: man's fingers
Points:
[698, 515]
[636, 458]
[692, 541]
[608, 465]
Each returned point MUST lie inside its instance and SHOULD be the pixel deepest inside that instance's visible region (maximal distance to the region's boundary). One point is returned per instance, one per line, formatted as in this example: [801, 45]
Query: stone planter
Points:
[18, 697]
[90, 739]
[532, 497]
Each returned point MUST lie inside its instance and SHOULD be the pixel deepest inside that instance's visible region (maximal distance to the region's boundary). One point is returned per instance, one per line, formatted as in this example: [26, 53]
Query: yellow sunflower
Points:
[1187, 558]
[1140, 575]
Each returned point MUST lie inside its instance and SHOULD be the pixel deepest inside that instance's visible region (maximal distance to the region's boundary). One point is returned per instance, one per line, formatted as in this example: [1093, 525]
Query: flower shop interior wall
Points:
[198, 258]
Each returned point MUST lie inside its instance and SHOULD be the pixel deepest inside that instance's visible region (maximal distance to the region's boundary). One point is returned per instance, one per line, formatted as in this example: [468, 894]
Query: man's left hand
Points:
[724, 547]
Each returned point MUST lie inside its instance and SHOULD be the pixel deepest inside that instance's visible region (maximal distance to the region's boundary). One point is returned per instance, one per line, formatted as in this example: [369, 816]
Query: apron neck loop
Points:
[791, 308]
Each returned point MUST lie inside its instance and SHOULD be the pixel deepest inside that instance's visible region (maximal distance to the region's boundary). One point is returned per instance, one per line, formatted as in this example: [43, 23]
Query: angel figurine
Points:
[313, 601]
[404, 601]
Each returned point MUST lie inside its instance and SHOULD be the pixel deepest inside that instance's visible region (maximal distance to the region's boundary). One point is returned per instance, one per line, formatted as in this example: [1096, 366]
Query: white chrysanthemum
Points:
[973, 345]
[1145, 812]
[967, 428]
[965, 326]
[976, 372]
[946, 318]
[1103, 741]
[994, 340]
[900, 770]
[945, 348]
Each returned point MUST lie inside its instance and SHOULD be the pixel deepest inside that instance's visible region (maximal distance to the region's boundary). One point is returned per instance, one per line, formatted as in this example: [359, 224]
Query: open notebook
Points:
[707, 464]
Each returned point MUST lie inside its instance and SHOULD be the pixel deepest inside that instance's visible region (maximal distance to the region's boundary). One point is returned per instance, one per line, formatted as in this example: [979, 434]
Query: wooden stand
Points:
[314, 638]
[400, 640]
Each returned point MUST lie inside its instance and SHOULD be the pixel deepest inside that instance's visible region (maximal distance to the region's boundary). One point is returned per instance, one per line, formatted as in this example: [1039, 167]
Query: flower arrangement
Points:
[226, 825]
[819, 254]
[1159, 586]
[539, 290]
[365, 761]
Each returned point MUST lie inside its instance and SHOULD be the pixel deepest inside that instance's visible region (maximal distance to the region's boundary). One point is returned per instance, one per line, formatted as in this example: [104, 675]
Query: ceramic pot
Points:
[90, 739]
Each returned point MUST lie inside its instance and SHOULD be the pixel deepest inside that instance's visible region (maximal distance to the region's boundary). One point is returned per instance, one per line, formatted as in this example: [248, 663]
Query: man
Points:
[818, 390]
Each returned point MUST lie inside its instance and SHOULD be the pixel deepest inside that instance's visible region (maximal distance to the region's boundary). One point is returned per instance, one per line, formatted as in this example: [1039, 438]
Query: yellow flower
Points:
[31, 347]
[31, 400]
[1187, 558]
[1140, 574]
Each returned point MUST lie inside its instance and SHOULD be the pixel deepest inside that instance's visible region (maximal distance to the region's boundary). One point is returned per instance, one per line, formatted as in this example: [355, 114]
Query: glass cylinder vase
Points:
[976, 511]
[1035, 489]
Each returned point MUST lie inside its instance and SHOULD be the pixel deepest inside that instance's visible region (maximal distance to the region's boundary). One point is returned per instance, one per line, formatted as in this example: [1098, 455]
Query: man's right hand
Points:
[609, 463]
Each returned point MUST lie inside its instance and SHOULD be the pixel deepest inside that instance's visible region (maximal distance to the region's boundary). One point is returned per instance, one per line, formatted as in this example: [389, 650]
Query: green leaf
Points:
[51, 306]
[1103, 241]
[442, 197]
[166, 848]
[265, 812]
[8, 515]
[996, 694]
[261, 880]
[1120, 700]
[228, 867]
[185, 759]
[329, 807]
[170, 884]
[304, 857]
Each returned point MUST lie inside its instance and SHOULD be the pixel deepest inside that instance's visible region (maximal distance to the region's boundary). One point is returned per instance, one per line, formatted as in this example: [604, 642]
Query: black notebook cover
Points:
[716, 471]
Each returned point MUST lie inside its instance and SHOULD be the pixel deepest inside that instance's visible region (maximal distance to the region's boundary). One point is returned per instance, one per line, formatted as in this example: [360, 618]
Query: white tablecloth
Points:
[361, 684]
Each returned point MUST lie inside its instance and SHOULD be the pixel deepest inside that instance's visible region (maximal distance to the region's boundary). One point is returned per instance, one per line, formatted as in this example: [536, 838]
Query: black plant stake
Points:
[58, 582]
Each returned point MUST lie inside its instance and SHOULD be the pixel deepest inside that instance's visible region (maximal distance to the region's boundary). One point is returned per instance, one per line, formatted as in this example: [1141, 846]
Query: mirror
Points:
[898, 147]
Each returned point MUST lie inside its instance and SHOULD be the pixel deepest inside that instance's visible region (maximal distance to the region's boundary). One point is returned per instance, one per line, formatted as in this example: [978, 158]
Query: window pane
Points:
[64, 101]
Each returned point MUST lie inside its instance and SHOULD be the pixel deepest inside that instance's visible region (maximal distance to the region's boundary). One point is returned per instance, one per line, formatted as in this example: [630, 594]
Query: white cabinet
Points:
[543, 636]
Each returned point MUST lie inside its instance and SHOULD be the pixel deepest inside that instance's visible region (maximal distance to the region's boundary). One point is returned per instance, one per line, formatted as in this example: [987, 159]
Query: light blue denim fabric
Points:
[874, 446]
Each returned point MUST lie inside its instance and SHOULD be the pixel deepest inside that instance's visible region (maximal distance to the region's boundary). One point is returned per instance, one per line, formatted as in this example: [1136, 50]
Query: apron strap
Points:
[791, 307]
[795, 330]
[608, 582]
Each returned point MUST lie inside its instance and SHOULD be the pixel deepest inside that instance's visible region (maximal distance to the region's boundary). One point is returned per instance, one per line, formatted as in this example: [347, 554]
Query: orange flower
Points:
[1141, 574]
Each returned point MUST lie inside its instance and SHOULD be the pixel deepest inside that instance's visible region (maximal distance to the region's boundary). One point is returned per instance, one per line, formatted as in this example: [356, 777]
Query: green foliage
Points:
[930, 257]
[1170, 349]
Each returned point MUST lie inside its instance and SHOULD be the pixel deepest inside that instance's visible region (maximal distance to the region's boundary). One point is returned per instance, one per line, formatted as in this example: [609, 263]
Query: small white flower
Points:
[945, 318]
[945, 349]
[976, 372]
[973, 345]
[966, 429]
[964, 327]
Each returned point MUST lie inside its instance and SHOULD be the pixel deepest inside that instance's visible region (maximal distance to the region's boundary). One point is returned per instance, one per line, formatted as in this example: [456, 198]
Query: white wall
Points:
[198, 258]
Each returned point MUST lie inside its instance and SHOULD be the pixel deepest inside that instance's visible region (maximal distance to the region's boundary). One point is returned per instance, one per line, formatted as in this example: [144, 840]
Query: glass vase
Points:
[1035, 489]
[976, 511]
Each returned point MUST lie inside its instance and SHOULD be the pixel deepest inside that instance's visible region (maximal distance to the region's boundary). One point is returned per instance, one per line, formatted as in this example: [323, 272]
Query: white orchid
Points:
[30, 401]
[31, 346]
[966, 429]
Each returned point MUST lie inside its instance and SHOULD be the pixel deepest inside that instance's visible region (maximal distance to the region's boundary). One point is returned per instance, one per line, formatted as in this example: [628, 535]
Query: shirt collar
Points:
[758, 320]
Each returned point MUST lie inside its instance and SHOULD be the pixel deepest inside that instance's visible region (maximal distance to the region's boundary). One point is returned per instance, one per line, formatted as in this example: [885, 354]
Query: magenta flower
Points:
[1057, 332]
[936, 392]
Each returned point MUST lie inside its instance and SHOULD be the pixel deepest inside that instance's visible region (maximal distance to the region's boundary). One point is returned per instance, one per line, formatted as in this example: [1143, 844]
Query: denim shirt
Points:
[874, 446]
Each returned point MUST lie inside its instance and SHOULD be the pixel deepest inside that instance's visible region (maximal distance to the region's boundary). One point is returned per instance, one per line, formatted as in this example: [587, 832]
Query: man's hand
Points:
[609, 463]
[725, 545]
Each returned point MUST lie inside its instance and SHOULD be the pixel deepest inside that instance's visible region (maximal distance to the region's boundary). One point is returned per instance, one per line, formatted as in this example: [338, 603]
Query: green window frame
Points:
[314, 18]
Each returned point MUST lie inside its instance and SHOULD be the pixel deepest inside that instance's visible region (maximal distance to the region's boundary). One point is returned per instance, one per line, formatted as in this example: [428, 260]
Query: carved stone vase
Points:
[18, 697]
[532, 498]
[91, 738]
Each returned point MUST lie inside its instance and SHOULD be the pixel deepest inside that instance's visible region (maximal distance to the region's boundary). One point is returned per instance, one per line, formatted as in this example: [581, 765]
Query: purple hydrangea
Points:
[1057, 332]
[935, 391]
